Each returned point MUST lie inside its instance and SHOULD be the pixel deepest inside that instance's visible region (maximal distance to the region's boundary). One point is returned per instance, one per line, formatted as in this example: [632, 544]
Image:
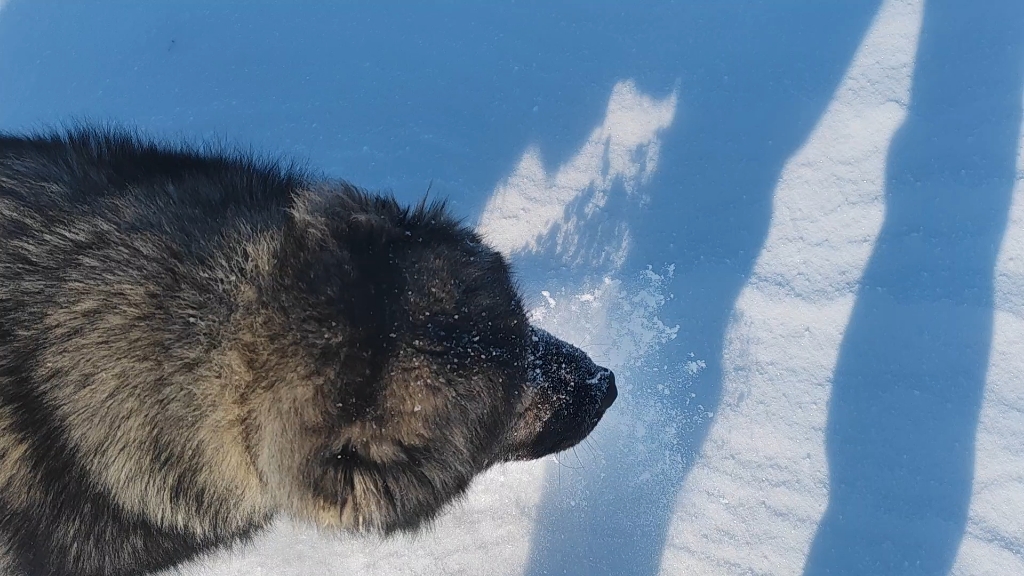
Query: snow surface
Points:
[794, 229]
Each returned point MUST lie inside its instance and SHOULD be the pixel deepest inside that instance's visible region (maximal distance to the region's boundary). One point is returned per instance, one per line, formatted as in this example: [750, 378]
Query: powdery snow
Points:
[760, 484]
[559, 158]
[994, 542]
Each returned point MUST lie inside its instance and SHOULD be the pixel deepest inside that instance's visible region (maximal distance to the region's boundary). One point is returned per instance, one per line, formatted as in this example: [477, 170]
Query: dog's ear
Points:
[348, 216]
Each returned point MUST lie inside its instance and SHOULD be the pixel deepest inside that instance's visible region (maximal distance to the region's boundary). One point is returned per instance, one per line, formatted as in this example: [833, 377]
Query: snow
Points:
[796, 233]
[527, 204]
[760, 483]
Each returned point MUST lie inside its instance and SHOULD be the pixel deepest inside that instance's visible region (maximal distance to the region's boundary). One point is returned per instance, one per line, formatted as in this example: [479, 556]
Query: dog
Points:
[194, 341]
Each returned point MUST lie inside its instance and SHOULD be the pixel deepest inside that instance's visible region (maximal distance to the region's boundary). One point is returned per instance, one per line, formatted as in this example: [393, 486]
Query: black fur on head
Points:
[431, 370]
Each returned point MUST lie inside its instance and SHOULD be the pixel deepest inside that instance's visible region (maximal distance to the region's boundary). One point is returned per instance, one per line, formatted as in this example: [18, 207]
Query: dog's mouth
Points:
[567, 395]
[565, 430]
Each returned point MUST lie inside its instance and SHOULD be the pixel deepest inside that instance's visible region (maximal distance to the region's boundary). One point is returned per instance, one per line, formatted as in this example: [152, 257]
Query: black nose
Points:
[610, 394]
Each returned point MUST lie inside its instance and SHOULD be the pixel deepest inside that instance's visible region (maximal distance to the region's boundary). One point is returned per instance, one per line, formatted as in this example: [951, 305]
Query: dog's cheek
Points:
[349, 490]
[324, 490]
[538, 407]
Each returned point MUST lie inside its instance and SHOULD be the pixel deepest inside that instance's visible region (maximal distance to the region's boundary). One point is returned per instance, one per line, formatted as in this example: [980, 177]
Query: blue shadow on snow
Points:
[911, 371]
[754, 80]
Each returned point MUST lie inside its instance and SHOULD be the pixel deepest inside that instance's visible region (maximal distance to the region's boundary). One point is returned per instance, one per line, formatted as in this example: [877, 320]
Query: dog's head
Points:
[412, 364]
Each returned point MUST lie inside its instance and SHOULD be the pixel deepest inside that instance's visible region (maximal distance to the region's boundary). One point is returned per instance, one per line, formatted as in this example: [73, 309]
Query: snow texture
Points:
[794, 229]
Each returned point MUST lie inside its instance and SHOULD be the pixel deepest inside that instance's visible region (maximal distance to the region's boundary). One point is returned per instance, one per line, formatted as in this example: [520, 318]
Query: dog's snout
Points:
[611, 393]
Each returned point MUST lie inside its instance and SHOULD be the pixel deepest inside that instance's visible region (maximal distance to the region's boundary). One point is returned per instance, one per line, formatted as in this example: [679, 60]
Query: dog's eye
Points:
[459, 345]
[435, 340]
[430, 348]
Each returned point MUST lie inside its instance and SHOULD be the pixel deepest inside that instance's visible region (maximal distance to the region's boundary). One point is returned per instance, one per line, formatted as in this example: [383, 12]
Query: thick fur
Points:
[194, 342]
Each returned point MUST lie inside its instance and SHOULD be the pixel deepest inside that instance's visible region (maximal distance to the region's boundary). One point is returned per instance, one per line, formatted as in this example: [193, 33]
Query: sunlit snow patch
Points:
[624, 149]
[760, 483]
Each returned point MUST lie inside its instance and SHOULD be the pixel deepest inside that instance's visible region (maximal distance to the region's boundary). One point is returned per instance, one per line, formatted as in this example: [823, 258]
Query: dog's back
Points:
[105, 433]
